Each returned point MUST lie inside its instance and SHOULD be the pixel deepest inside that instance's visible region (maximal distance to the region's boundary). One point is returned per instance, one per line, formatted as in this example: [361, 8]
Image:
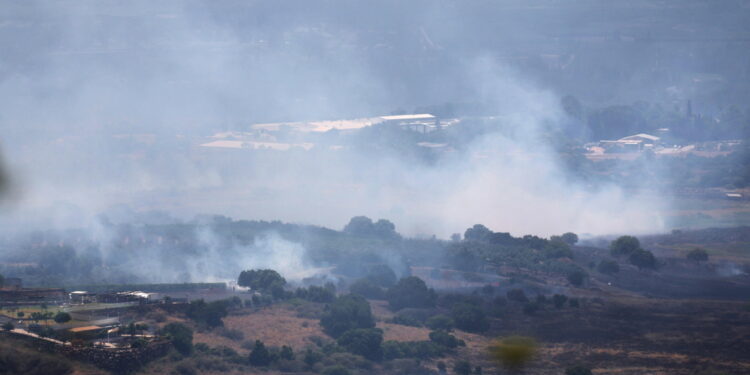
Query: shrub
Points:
[577, 277]
[286, 353]
[8, 326]
[320, 294]
[209, 314]
[530, 308]
[232, 334]
[557, 248]
[559, 300]
[366, 288]
[13, 361]
[62, 317]
[462, 367]
[336, 370]
[642, 259]
[261, 279]
[312, 357]
[570, 238]
[184, 369]
[624, 245]
[488, 290]
[410, 292]
[500, 301]
[446, 339]
[412, 349]
[517, 295]
[181, 337]
[406, 366]
[405, 320]
[608, 267]
[347, 360]
[441, 321]
[477, 233]
[573, 302]
[347, 312]
[363, 341]
[139, 343]
[470, 318]
[442, 367]
[393, 350]
[259, 356]
[381, 275]
[697, 255]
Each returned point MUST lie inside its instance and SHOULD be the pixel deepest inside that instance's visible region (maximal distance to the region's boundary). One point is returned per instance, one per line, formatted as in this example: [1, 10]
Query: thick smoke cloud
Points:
[106, 104]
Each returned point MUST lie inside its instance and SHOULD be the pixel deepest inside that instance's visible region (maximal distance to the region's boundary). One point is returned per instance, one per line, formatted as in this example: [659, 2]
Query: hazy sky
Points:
[78, 79]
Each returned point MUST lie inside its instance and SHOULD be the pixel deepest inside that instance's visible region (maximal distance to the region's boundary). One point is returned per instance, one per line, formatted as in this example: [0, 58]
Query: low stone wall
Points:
[118, 360]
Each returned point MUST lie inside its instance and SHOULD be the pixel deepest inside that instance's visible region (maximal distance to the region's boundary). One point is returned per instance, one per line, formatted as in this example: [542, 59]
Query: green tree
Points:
[181, 337]
[517, 295]
[442, 368]
[259, 356]
[350, 311]
[261, 279]
[577, 277]
[608, 267]
[8, 326]
[359, 226]
[624, 245]
[440, 321]
[557, 248]
[209, 314]
[470, 318]
[445, 339]
[697, 255]
[642, 259]
[559, 300]
[286, 353]
[366, 342]
[381, 275]
[312, 357]
[477, 233]
[366, 288]
[62, 317]
[462, 367]
[410, 292]
[570, 238]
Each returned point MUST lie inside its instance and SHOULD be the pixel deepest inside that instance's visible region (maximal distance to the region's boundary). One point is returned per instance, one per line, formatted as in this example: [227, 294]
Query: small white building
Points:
[421, 122]
[81, 296]
[146, 296]
[643, 137]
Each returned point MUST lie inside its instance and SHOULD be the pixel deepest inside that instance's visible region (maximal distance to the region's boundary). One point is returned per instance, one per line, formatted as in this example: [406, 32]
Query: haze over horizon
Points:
[105, 105]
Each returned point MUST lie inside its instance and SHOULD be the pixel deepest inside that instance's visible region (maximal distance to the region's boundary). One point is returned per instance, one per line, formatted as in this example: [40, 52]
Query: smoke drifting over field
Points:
[105, 103]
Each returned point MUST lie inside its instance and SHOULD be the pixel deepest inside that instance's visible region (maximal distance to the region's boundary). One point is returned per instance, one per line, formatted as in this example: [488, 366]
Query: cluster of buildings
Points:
[265, 136]
[632, 145]
[13, 291]
[82, 297]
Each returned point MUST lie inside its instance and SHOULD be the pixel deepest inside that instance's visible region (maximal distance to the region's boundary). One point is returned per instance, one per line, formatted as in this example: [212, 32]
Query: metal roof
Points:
[420, 116]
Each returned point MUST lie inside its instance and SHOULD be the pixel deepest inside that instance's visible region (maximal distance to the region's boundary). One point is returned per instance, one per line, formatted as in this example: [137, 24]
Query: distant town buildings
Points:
[264, 136]
[631, 143]
[631, 146]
